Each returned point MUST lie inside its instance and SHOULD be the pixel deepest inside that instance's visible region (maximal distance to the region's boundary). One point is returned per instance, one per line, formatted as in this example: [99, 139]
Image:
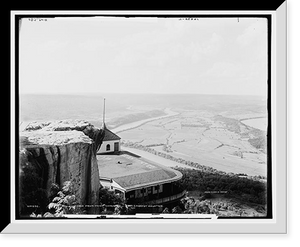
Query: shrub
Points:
[65, 201]
[110, 197]
[248, 190]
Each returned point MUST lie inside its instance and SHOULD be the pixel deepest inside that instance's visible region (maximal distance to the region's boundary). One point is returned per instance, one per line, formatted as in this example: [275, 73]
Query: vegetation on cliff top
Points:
[207, 183]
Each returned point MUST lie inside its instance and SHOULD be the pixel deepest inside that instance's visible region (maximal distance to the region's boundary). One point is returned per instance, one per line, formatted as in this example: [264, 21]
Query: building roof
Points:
[132, 172]
[110, 136]
[144, 179]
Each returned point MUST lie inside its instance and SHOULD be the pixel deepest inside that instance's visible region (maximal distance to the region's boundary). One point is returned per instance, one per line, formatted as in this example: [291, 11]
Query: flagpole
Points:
[104, 113]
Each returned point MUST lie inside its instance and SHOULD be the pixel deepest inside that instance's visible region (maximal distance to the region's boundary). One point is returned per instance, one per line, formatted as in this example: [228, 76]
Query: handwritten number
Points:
[37, 19]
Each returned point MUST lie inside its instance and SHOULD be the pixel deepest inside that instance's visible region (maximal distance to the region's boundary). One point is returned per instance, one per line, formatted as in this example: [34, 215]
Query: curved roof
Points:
[132, 172]
[150, 178]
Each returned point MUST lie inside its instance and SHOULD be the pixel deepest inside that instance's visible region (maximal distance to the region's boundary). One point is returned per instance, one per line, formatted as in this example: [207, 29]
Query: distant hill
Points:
[128, 107]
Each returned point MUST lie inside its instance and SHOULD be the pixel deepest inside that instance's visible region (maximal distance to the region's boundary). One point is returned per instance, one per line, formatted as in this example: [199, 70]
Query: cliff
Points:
[56, 152]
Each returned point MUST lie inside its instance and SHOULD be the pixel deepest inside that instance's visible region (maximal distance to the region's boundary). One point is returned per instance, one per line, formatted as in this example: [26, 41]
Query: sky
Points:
[143, 55]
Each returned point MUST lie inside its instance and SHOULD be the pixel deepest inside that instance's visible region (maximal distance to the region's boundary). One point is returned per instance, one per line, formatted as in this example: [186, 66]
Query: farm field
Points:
[210, 130]
[216, 141]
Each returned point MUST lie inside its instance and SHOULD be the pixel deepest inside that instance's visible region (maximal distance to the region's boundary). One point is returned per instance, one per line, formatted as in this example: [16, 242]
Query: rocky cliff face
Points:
[56, 152]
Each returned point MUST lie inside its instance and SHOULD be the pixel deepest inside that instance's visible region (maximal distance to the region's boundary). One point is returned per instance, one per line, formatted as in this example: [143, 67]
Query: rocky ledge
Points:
[56, 152]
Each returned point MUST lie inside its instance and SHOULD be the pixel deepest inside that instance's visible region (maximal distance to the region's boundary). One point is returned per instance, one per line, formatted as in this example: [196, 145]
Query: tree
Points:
[121, 209]
[110, 197]
[65, 201]
[176, 210]
[193, 206]
[165, 211]
[112, 202]
[32, 192]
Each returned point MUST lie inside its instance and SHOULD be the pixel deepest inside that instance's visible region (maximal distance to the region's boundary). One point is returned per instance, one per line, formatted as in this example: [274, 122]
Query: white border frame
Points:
[279, 156]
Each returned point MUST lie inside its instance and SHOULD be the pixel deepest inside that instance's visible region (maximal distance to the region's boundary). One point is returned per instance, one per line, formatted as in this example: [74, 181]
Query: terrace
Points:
[131, 171]
[143, 181]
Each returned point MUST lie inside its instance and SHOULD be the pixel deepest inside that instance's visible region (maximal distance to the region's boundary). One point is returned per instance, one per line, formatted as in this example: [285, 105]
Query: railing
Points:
[106, 179]
[167, 199]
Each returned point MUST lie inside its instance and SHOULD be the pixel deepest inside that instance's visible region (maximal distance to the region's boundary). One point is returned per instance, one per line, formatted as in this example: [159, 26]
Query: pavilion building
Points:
[140, 181]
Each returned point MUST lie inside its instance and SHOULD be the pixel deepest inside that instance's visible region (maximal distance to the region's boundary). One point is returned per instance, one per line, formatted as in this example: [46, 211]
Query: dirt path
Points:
[155, 158]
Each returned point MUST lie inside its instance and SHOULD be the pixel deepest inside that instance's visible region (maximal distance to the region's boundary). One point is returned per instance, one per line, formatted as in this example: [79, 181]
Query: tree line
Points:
[247, 190]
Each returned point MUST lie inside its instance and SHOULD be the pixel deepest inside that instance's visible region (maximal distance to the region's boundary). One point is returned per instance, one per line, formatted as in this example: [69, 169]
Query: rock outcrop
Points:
[56, 152]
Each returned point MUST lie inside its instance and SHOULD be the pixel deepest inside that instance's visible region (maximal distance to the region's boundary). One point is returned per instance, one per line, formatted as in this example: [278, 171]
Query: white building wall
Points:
[112, 186]
[112, 146]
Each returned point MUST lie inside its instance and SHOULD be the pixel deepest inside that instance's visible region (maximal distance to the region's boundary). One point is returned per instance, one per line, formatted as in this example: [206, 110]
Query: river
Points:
[136, 124]
[258, 123]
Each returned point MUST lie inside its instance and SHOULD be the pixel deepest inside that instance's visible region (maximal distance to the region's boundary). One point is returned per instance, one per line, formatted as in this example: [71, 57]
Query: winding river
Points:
[168, 111]
[257, 123]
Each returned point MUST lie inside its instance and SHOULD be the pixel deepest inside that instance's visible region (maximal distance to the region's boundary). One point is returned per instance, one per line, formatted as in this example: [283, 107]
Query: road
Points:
[156, 158]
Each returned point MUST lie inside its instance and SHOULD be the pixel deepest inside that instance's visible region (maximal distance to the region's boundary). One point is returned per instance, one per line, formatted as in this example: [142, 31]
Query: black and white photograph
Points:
[129, 116]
